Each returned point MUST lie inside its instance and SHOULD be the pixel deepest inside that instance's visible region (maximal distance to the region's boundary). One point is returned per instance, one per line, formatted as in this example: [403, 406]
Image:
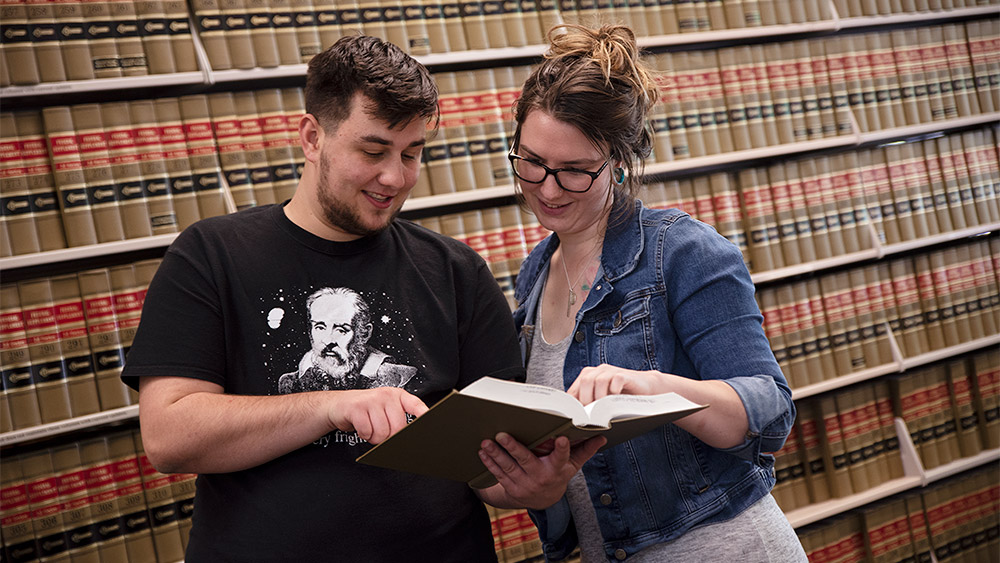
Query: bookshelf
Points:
[213, 80]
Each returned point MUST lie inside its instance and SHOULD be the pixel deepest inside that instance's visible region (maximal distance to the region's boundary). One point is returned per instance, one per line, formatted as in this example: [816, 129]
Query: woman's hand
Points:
[596, 382]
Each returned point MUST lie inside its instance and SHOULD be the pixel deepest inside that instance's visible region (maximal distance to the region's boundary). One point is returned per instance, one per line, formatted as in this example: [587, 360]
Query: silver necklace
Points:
[571, 298]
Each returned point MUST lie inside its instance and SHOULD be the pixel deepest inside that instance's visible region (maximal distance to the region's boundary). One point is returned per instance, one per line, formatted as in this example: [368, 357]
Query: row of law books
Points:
[755, 96]
[77, 40]
[94, 499]
[515, 537]
[951, 409]
[262, 37]
[874, 315]
[94, 173]
[64, 341]
[802, 210]
[502, 235]
[846, 442]
[950, 521]
[861, 8]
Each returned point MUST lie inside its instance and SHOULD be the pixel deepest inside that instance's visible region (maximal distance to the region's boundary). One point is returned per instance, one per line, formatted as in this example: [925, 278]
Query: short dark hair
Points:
[399, 87]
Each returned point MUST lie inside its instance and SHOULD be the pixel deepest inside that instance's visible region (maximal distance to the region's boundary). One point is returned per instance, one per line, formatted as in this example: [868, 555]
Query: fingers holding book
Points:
[534, 479]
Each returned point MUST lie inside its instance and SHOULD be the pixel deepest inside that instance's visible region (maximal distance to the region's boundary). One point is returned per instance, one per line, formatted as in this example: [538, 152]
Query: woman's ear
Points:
[311, 137]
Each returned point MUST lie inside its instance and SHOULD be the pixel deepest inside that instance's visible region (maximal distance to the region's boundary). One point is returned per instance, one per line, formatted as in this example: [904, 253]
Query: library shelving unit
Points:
[23, 266]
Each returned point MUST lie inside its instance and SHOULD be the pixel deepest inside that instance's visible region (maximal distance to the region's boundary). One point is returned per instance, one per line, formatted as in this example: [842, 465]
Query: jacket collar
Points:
[623, 245]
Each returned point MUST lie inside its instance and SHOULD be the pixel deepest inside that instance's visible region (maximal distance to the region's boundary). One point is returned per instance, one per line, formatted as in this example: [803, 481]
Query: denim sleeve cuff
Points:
[555, 529]
[770, 414]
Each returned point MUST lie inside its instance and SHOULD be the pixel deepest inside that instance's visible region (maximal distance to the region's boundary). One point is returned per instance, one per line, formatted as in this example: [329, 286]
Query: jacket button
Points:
[578, 336]
[620, 554]
[605, 499]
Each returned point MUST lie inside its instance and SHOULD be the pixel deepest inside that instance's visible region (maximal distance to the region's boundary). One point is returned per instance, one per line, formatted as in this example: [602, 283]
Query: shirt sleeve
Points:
[712, 305]
[181, 330]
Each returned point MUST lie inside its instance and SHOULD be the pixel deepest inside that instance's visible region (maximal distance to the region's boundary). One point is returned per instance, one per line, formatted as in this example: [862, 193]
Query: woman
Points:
[624, 299]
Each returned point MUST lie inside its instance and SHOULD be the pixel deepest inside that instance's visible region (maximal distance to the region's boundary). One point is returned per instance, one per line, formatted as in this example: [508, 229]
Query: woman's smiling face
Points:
[557, 144]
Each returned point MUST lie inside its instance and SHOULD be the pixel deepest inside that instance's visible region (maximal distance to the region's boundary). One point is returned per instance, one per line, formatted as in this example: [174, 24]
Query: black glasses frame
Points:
[555, 172]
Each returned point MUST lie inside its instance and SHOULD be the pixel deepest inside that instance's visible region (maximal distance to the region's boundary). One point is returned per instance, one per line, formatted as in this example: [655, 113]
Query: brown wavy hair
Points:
[595, 80]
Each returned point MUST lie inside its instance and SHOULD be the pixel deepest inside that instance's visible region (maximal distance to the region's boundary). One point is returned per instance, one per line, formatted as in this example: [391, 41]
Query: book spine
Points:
[156, 180]
[809, 85]
[305, 25]
[71, 484]
[96, 162]
[780, 94]
[955, 171]
[131, 502]
[800, 212]
[793, 83]
[46, 509]
[761, 221]
[983, 195]
[44, 349]
[262, 33]
[252, 138]
[202, 153]
[178, 29]
[897, 191]
[274, 127]
[962, 276]
[212, 32]
[985, 284]
[286, 34]
[157, 36]
[932, 326]
[45, 40]
[819, 208]
[811, 437]
[790, 489]
[812, 323]
[371, 18]
[942, 213]
[20, 233]
[19, 53]
[75, 201]
[881, 305]
[986, 367]
[834, 449]
[963, 83]
[102, 328]
[173, 143]
[125, 168]
[732, 87]
[19, 385]
[102, 494]
[863, 309]
[128, 41]
[163, 515]
[979, 55]
[890, 439]
[225, 127]
[74, 44]
[105, 58]
[78, 362]
[15, 514]
[236, 31]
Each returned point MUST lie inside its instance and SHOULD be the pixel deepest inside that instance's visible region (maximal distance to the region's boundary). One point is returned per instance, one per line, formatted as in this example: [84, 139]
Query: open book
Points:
[445, 441]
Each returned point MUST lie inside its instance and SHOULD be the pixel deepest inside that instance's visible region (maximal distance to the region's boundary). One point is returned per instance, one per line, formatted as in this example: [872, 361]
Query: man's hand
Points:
[526, 480]
[375, 414]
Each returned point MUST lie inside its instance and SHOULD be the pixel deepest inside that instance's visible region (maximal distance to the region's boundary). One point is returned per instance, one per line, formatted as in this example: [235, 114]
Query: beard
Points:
[337, 213]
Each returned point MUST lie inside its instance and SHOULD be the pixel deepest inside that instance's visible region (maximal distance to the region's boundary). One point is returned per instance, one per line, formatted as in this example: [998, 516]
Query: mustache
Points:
[331, 351]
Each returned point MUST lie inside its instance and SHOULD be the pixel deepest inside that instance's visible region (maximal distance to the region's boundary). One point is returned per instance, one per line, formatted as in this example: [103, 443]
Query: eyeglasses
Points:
[570, 179]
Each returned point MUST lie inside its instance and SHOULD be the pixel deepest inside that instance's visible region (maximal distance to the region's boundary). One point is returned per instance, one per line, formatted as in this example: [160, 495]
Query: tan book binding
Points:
[94, 157]
[156, 36]
[212, 32]
[45, 349]
[285, 33]
[819, 207]
[372, 21]
[105, 58]
[19, 382]
[252, 138]
[305, 21]
[127, 38]
[474, 24]
[45, 40]
[262, 33]
[18, 51]
[202, 153]
[183, 195]
[280, 158]
[71, 485]
[20, 234]
[73, 40]
[932, 325]
[159, 504]
[761, 223]
[99, 311]
[807, 423]
[46, 508]
[105, 507]
[834, 449]
[127, 170]
[237, 35]
[179, 31]
[75, 202]
[850, 194]
[78, 361]
[878, 300]
[156, 179]
[225, 126]
[15, 515]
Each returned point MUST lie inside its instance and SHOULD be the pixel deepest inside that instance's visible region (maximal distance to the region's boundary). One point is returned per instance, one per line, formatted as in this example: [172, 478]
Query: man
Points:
[341, 358]
[277, 477]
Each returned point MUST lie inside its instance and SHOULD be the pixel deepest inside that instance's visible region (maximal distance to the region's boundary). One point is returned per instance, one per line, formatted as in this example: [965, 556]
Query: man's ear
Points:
[365, 331]
[311, 137]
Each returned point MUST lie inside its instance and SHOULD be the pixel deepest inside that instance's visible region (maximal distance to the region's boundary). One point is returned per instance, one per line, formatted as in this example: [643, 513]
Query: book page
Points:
[613, 407]
[537, 397]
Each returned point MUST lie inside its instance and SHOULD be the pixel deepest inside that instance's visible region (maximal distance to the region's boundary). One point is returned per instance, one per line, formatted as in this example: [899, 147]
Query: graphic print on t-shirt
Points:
[325, 340]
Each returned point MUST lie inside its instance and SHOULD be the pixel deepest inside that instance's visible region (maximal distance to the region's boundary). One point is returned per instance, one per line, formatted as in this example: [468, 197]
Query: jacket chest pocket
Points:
[625, 336]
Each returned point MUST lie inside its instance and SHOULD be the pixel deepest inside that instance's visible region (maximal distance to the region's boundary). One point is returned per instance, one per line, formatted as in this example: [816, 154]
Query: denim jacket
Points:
[675, 297]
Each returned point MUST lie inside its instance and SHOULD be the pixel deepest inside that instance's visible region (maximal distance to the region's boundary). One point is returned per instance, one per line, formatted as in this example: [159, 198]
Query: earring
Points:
[619, 175]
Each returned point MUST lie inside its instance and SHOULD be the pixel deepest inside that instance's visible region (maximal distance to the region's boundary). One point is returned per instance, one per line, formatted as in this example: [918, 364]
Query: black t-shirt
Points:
[228, 305]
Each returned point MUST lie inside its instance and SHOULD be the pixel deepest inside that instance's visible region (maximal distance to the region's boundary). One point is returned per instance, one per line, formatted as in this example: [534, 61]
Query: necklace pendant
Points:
[572, 300]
